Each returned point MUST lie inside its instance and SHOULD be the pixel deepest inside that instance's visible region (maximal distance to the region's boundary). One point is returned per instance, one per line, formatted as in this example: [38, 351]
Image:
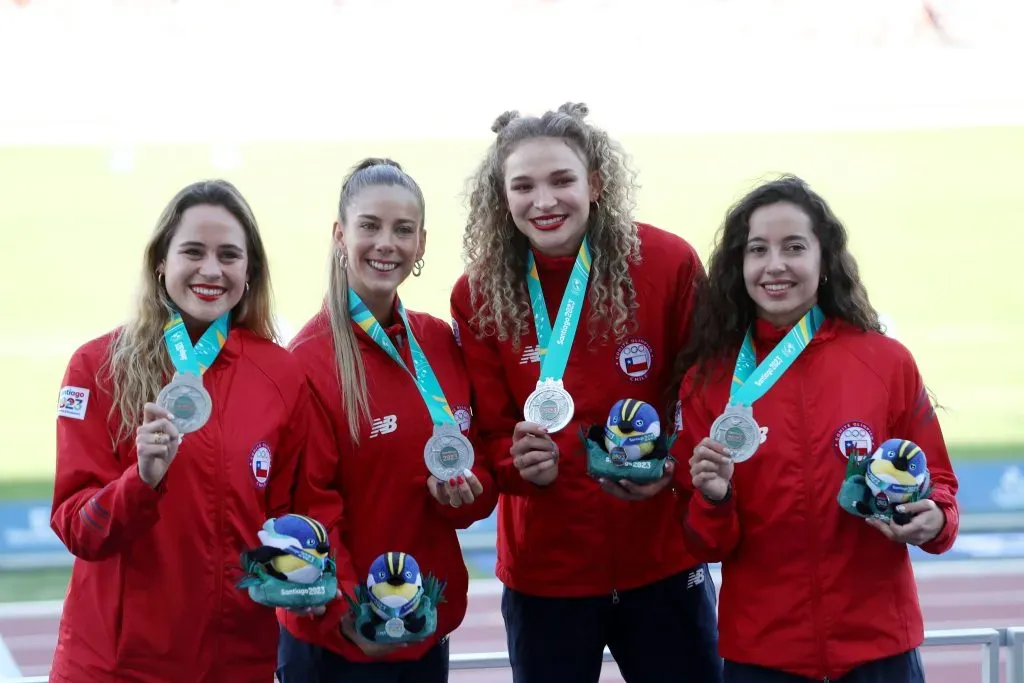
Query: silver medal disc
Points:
[737, 430]
[188, 401]
[550, 405]
[394, 627]
[448, 452]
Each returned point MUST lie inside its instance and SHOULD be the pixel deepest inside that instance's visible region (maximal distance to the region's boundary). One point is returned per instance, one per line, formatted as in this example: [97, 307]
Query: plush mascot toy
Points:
[630, 445]
[292, 568]
[397, 604]
[896, 473]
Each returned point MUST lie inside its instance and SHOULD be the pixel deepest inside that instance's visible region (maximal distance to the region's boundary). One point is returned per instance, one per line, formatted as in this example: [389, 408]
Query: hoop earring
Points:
[246, 286]
[417, 268]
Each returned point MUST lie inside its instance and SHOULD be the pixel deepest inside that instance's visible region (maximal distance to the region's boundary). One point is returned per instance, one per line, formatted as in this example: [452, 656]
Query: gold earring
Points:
[417, 268]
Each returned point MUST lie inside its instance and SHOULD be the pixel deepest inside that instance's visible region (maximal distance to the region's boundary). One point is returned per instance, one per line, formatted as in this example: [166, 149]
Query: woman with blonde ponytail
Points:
[566, 295]
[156, 506]
[370, 364]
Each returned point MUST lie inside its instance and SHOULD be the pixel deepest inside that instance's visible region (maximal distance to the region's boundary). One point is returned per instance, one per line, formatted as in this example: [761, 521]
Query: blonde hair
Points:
[495, 250]
[370, 172]
[138, 365]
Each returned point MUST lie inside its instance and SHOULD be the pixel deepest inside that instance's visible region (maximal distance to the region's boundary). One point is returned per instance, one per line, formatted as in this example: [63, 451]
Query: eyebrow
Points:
[377, 218]
[193, 243]
[558, 172]
[788, 238]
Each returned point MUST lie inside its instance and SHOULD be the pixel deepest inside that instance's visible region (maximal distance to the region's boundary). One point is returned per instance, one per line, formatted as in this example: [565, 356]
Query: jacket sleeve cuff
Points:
[710, 508]
[950, 528]
[138, 494]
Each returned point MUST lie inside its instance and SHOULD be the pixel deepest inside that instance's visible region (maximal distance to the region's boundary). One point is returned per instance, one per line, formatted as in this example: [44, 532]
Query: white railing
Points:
[991, 640]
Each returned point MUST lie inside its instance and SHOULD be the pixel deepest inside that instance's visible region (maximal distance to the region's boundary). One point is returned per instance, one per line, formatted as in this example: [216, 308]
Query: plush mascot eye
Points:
[640, 423]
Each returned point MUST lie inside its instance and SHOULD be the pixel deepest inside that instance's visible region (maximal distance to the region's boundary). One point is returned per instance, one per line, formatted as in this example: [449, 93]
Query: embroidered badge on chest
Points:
[854, 439]
[259, 463]
[635, 359]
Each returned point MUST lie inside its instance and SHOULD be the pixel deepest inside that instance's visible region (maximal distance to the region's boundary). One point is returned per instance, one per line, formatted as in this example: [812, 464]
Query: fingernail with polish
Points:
[451, 482]
[468, 473]
[460, 480]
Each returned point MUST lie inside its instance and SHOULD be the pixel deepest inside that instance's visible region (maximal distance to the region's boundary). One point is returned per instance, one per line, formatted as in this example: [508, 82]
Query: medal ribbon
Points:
[194, 359]
[422, 374]
[556, 351]
[744, 391]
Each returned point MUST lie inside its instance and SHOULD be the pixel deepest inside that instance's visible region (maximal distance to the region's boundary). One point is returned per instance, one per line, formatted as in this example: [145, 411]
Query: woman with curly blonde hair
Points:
[178, 435]
[552, 246]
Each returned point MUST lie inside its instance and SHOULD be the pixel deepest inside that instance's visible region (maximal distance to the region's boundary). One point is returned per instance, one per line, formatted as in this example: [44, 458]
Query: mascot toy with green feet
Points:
[630, 445]
[396, 604]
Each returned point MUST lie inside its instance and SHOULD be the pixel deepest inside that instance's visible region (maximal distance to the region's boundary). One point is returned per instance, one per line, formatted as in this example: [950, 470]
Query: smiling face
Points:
[782, 263]
[381, 234]
[206, 264]
[549, 191]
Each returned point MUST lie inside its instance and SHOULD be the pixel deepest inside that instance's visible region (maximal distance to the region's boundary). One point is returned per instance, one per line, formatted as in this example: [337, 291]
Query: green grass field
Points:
[927, 212]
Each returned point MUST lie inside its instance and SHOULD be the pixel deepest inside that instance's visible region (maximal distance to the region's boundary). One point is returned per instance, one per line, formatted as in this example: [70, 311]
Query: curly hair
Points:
[496, 252]
[724, 311]
[138, 364]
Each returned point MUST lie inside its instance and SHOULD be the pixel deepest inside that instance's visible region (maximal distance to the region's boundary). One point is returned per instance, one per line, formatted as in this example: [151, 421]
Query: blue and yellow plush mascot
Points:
[896, 473]
[630, 445]
[292, 568]
[397, 604]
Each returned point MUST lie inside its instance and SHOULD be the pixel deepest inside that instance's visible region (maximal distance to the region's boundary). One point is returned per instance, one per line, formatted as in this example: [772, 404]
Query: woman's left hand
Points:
[926, 524]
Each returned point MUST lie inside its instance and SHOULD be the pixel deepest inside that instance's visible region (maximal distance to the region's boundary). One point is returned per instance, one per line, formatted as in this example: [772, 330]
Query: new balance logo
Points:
[383, 425]
[531, 354]
[695, 578]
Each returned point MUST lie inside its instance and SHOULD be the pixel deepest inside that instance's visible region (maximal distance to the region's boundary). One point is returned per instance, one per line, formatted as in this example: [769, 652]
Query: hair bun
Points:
[376, 161]
[577, 110]
[503, 120]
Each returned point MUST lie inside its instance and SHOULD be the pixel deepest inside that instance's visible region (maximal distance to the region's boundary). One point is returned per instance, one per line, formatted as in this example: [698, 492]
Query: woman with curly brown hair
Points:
[552, 246]
[809, 591]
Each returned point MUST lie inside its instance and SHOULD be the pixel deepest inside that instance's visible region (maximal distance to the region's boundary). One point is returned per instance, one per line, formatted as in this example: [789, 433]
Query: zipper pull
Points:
[615, 597]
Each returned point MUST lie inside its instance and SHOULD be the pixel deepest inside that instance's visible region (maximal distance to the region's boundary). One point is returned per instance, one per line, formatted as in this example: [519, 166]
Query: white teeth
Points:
[208, 291]
[777, 288]
[382, 267]
[549, 221]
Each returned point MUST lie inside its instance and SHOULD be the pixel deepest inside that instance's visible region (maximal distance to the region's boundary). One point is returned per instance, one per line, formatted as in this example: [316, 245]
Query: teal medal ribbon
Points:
[448, 453]
[185, 397]
[736, 427]
[550, 405]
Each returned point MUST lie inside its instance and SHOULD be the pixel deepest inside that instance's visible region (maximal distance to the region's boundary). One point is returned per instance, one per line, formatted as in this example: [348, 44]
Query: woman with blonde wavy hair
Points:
[552, 246]
[178, 436]
[385, 382]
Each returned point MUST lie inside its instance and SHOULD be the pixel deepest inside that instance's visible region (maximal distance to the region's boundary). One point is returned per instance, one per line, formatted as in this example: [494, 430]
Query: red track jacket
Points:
[571, 538]
[152, 597]
[373, 497]
[807, 587]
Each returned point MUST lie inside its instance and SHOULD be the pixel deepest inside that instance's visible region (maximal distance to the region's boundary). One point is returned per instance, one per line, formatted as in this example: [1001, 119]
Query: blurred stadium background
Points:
[908, 116]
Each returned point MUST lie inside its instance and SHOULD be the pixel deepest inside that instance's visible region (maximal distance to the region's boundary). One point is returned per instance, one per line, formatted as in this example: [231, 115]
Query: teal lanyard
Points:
[194, 359]
[556, 351]
[423, 375]
[745, 391]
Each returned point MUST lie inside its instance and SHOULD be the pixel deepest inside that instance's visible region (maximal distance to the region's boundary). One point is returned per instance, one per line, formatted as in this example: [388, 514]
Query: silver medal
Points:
[394, 627]
[448, 452]
[550, 405]
[737, 430]
[187, 400]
